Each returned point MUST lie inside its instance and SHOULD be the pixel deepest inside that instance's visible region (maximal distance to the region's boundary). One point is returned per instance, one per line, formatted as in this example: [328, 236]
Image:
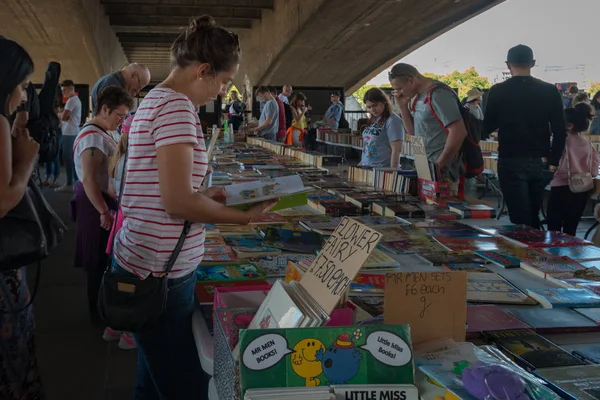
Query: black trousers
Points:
[565, 209]
[523, 181]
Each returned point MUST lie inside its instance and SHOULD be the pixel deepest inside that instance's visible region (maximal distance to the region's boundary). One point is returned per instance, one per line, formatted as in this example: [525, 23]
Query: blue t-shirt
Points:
[271, 110]
[334, 111]
[377, 151]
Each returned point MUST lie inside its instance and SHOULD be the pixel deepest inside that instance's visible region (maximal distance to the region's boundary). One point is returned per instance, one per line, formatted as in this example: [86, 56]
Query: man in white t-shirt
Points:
[71, 121]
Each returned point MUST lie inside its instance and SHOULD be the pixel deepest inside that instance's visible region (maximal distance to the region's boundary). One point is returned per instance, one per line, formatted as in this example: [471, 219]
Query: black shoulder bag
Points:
[28, 233]
[128, 303]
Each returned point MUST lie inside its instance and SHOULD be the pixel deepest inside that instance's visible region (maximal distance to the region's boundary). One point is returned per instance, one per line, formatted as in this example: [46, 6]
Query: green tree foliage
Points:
[593, 89]
[463, 81]
[360, 92]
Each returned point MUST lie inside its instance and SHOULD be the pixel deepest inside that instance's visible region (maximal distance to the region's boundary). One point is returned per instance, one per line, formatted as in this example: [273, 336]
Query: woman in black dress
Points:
[19, 376]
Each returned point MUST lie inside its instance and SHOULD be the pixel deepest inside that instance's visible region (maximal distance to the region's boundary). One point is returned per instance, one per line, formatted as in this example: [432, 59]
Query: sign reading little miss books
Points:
[326, 356]
[342, 256]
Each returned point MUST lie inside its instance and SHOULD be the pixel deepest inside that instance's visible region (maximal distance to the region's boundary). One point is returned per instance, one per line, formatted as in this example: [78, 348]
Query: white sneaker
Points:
[127, 342]
[64, 189]
[110, 335]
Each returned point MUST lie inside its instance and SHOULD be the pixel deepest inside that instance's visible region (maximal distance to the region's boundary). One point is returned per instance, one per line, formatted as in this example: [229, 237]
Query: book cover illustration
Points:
[247, 240]
[275, 266]
[326, 356]
[577, 253]
[536, 238]
[469, 267]
[552, 266]
[463, 232]
[214, 241]
[408, 246]
[565, 297]
[502, 260]
[391, 233]
[296, 241]
[378, 259]
[232, 272]
[531, 349]
[483, 287]
[444, 258]
[218, 257]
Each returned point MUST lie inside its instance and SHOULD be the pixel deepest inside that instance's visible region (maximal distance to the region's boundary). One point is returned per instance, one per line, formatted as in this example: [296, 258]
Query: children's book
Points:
[275, 266]
[216, 249]
[291, 240]
[248, 240]
[536, 238]
[502, 260]
[484, 287]
[408, 246]
[469, 267]
[326, 356]
[574, 383]
[565, 297]
[462, 244]
[371, 304]
[378, 259]
[445, 258]
[256, 251]
[552, 266]
[231, 272]
[214, 241]
[578, 253]
[476, 211]
[256, 191]
[531, 350]
[218, 258]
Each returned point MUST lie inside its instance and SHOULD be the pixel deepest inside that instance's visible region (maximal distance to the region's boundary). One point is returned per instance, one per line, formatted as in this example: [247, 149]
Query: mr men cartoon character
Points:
[304, 360]
[341, 361]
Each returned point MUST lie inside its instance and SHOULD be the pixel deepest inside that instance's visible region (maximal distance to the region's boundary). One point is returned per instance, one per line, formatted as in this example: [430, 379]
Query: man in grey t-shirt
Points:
[268, 125]
[133, 78]
[444, 131]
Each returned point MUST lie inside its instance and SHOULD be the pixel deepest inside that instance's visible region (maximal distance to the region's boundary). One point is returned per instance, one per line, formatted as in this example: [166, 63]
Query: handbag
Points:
[128, 303]
[580, 182]
[30, 231]
[28, 234]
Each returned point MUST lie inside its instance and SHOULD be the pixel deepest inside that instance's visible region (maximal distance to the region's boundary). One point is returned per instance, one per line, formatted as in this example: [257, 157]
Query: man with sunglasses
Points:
[443, 130]
[133, 78]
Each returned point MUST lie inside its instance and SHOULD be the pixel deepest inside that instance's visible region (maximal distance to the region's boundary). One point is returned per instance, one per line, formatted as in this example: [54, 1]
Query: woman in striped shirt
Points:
[166, 165]
[92, 205]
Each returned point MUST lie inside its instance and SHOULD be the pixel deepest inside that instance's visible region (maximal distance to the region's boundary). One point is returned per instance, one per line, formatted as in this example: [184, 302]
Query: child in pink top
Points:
[565, 207]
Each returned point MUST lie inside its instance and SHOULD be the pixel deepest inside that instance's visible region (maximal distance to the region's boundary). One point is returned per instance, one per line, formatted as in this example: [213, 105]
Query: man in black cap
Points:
[528, 114]
[335, 111]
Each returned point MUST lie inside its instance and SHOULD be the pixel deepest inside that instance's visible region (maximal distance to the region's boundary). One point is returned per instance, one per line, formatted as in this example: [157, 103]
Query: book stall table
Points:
[443, 265]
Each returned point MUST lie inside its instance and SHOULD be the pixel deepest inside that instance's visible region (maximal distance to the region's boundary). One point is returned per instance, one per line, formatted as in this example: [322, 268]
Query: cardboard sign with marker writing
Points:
[420, 155]
[342, 256]
[433, 303]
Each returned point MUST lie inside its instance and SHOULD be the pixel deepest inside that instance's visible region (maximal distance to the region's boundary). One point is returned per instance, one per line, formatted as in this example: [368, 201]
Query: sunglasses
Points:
[391, 75]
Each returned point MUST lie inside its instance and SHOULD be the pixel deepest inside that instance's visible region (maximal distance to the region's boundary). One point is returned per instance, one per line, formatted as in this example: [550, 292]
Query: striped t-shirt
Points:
[149, 234]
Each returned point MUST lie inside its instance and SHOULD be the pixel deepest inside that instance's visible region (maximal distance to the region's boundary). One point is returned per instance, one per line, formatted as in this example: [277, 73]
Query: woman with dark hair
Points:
[382, 138]
[595, 126]
[19, 376]
[296, 132]
[93, 205]
[166, 165]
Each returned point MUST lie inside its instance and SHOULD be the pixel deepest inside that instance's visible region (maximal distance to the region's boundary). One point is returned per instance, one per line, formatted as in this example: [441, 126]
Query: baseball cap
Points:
[520, 54]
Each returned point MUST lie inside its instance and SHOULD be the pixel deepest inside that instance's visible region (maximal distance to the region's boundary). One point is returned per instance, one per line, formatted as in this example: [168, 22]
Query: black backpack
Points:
[44, 129]
[289, 116]
[470, 149]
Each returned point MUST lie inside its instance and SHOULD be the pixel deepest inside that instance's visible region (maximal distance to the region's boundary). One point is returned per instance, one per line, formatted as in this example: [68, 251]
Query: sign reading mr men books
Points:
[339, 261]
[326, 356]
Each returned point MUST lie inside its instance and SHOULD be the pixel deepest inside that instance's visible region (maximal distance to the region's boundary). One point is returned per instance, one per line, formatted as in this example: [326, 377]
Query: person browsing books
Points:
[268, 124]
[565, 207]
[382, 138]
[166, 165]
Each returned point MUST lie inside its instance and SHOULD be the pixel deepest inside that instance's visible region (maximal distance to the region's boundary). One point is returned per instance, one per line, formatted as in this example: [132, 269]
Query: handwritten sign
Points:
[433, 303]
[342, 256]
[420, 155]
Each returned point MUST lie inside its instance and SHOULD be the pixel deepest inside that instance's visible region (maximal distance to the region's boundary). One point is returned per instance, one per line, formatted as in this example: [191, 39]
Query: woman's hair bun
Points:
[585, 110]
[202, 22]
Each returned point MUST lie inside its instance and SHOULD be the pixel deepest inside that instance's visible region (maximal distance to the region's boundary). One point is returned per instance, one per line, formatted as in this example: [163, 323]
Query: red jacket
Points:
[282, 132]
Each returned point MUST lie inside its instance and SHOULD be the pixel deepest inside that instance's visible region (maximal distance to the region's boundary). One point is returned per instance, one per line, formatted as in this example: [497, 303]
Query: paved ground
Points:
[74, 360]
[76, 364]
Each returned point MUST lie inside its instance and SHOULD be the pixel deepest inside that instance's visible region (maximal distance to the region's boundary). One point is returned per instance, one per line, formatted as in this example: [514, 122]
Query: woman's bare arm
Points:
[91, 164]
[175, 165]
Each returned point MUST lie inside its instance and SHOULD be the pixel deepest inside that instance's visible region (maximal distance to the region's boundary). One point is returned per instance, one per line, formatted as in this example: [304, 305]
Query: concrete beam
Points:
[238, 4]
[180, 11]
[75, 33]
[159, 21]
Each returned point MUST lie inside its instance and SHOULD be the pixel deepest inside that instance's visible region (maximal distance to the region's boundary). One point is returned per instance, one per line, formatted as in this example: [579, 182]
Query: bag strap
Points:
[36, 286]
[186, 226]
